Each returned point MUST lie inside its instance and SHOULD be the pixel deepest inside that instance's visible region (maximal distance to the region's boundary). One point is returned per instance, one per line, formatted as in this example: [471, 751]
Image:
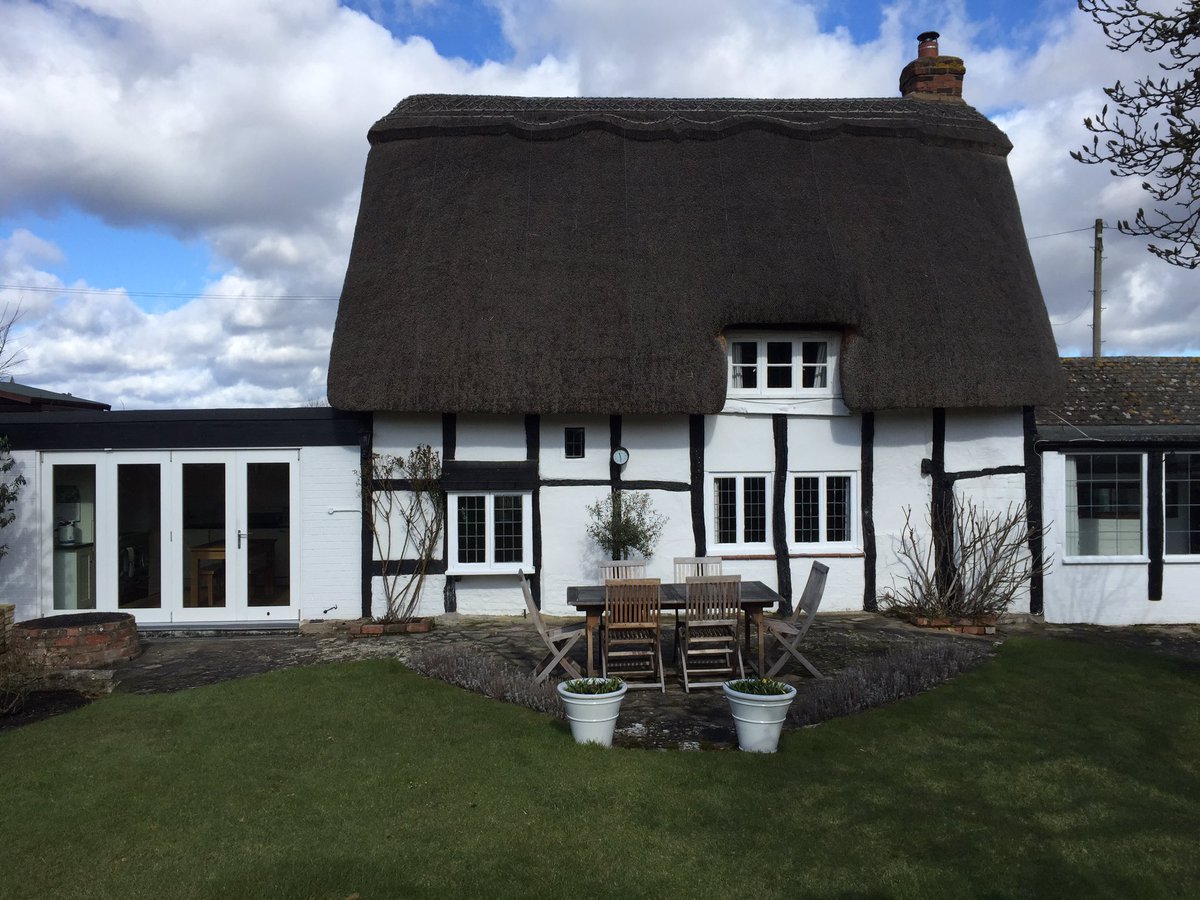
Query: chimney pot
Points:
[927, 44]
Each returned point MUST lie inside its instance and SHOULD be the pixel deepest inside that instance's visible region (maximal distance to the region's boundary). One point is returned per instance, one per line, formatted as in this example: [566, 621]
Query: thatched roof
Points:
[1128, 391]
[583, 255]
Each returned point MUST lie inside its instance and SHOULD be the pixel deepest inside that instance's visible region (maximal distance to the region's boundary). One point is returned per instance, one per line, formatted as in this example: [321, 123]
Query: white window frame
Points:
[798, 339]
[1076, 559]
[489, 566]
[1168, 556]
[853, 502]
[740, 544]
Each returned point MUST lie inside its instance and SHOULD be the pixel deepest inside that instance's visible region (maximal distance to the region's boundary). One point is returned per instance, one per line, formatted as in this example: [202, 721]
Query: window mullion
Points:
[489, 529]
[822, 509]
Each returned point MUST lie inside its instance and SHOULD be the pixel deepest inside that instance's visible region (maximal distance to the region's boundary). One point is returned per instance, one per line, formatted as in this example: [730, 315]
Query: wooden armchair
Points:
[558, 640]
[789, 632]
[630, 641]
[708, 630]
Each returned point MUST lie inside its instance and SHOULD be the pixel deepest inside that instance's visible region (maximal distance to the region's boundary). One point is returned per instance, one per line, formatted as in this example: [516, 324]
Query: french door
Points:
[178, 536]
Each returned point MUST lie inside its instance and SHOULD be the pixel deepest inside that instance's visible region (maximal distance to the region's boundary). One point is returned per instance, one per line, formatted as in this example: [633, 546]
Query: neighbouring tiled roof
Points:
[1128, 390]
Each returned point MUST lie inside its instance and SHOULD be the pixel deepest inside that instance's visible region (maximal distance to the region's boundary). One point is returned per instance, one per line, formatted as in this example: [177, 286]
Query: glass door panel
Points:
[267, 539]
[139, 536]
[74, 538]
[203, 544]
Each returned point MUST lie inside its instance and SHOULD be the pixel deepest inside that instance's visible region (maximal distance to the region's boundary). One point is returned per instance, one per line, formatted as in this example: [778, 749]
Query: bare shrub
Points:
[901, 672]
[18, 676]
[990, 564]
[482, 674]
[406, 496]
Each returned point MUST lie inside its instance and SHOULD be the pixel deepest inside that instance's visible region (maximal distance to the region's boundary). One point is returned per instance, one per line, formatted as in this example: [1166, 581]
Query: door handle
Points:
[242, 534]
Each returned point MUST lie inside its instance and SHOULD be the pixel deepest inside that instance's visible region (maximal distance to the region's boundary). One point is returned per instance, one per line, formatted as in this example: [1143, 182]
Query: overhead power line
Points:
[1057, 233]
[179, 295]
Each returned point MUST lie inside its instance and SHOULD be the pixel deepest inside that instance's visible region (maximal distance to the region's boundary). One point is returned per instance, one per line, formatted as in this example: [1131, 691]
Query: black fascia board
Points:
[176, 429]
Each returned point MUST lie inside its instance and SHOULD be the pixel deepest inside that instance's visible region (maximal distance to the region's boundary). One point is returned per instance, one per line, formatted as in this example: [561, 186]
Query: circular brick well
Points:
[78, 640]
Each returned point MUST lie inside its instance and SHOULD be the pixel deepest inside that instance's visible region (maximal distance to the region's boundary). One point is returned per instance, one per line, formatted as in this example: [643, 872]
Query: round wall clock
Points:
[620, 456]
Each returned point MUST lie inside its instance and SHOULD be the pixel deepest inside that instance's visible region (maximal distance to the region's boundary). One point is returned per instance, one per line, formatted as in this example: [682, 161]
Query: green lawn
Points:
[1056, 769]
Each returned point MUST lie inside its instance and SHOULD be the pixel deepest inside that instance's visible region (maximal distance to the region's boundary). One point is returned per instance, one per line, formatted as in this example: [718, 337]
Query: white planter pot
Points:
[758, 718]
[592, 716]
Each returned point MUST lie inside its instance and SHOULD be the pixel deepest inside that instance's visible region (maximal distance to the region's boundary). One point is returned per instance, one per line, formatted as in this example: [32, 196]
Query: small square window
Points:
[573, 445]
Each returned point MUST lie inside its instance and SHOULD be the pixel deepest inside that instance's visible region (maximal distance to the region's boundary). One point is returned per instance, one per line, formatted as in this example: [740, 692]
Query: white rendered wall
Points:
[902, 440]
[1108, 592]
[984, 439]
[735, 444]
[490, 438]
[554, 463]
[20, 570]
[399, 435]
[975, 440]
[658, 450]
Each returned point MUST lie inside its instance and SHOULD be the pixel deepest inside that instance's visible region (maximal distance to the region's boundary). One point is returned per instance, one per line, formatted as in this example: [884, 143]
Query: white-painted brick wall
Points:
[330, 542]
[20, 570]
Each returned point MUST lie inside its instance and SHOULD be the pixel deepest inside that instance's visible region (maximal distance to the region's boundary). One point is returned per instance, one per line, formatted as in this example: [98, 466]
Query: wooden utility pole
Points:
[1097, 265]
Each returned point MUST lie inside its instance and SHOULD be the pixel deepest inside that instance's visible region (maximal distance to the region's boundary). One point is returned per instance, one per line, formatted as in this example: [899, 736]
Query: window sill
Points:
[1181, 559]
[743, 551]
[818, 405]
[1105, 560]
[825, 550]
[504, 569]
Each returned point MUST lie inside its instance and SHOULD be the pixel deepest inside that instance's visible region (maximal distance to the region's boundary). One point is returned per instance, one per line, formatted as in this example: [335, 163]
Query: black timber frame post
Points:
[696, 458]
[1033, 507]
[449, 448]
[783, 563]
[614, 471]
[366, 480]
[941, 506]
[533, 451]
[1155, 522]
[870, 600]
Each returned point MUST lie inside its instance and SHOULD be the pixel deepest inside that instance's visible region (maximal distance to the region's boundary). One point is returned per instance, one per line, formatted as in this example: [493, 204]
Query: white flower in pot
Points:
[759, 706]
[592, 706]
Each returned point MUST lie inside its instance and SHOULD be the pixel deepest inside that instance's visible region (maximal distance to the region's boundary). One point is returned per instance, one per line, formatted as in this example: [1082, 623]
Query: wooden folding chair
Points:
[708, 632]
[622, 568]
[789, 632]
[559, 640]
[630, 641]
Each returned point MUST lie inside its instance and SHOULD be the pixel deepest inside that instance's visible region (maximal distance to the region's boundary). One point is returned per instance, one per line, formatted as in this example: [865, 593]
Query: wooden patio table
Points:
[756, 597]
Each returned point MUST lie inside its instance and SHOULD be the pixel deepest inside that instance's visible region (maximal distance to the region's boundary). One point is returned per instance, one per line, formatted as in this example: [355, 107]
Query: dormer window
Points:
[781, 365]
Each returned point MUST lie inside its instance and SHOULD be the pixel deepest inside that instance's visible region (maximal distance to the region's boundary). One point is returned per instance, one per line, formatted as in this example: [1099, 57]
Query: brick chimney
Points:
[932, 76]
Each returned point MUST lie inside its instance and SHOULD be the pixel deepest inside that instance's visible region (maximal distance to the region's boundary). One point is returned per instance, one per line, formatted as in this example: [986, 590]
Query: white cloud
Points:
[243, 123]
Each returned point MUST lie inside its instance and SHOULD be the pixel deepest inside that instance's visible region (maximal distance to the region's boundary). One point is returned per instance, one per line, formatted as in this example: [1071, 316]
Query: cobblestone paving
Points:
[673, 719]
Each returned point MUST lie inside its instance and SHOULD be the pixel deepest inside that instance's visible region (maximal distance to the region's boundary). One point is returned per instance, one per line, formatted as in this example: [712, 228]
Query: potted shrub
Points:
[759, 706]
[624, 521]
[592, 706]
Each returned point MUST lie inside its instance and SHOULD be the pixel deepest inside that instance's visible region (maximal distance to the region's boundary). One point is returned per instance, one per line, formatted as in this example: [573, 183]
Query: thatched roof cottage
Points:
[794, 318]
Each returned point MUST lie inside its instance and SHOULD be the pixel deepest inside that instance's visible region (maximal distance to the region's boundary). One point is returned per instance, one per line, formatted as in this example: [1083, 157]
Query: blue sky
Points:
[182, 179]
